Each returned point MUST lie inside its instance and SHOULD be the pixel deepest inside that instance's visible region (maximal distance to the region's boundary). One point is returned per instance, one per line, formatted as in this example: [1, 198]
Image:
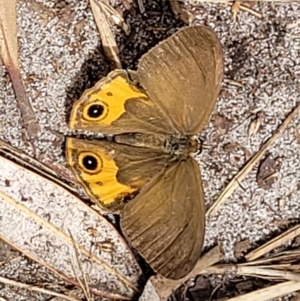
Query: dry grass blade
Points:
[109, 44]
[282, 260]
[278, 266]
[275, 272]
[9, 55]
[164, 287]
[234, 183]
[274, 243]
[270, 292]
[270, 272]
[83, 284]
[267, 273]
[35, 289]
[230, 1]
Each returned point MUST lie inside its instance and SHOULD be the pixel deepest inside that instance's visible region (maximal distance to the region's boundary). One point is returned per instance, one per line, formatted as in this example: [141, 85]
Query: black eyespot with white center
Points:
[95, 111]
[90, 162]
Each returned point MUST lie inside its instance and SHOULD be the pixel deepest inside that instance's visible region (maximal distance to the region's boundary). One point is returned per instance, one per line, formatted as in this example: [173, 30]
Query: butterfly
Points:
[145, 169]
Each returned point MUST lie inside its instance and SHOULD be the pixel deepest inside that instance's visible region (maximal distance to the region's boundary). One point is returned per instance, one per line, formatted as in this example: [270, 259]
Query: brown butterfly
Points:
[153, 115]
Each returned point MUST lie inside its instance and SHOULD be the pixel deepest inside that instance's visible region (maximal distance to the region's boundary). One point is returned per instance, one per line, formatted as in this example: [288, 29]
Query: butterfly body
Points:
[177, 146]
[145, 169]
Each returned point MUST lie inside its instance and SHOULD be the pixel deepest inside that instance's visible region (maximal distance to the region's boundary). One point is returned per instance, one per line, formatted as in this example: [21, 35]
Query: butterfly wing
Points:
[165, 221]
[115, 105]
[182, 75]
[110, 172]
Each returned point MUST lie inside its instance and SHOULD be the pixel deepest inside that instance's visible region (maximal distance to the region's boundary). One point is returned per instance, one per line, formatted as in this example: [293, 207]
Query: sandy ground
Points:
[60, 58]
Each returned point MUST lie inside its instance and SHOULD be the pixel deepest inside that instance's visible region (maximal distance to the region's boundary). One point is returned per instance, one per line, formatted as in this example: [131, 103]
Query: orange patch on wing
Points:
[101, 186]
[112, 95]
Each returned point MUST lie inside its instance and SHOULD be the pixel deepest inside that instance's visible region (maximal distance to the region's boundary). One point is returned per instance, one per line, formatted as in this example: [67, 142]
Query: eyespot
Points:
[109, 94]
[90, 162]
[95, 111]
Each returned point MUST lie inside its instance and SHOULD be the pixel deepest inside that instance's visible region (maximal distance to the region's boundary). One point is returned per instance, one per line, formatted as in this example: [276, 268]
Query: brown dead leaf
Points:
[9, 55]
[222, 124]
[234, 146]
[241, 247]
[255, 124]
[231, 147]
[267, 172]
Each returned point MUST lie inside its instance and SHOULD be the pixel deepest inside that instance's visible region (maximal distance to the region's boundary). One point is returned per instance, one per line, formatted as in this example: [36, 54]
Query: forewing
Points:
[182, 75]
[121, 170]
[166, 221]
[116, 105]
